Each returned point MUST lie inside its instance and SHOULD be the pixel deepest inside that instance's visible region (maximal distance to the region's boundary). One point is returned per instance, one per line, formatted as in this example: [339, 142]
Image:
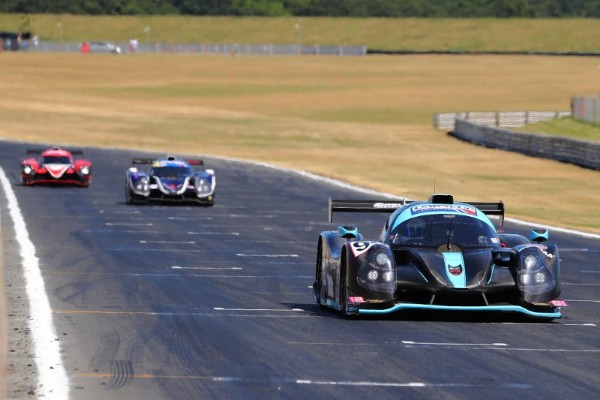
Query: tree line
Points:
[315, 8]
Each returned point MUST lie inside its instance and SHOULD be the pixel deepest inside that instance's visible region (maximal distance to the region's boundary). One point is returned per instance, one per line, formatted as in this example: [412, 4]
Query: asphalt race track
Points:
[190, 302]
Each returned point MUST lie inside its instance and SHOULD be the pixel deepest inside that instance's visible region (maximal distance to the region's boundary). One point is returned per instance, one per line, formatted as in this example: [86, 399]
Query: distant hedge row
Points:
[325, 8]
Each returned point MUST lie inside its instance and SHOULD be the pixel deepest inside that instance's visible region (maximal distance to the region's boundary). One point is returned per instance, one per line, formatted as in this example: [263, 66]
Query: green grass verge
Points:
[567, 127]
[483, 34]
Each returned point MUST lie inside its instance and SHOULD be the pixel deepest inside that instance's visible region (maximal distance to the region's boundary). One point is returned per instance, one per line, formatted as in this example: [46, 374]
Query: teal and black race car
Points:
[170, 179]
[436, 255]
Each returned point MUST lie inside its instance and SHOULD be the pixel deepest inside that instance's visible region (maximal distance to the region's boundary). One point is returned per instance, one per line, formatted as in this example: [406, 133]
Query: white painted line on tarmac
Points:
[297, 242]
[206, 268]
[544, 350]
[186, 314]
[287, 263]
[267, 255]
[582, 301]
[410, 384]
[128, 212]
[254, 276]
[190, 218]
[363, 383]
[469, 346]
[259, 309]
[215, 233]
[581, 250]
[178, 275]
[166, 242]
[579, 284]
[273, 228]
[52, 379]
[299, 381]
[157, 249]
[590, 272]
[409, 342]
[589, 324]
[127, 224]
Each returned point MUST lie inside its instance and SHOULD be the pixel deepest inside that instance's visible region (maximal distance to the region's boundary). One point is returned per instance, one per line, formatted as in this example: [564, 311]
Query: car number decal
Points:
[360, 247]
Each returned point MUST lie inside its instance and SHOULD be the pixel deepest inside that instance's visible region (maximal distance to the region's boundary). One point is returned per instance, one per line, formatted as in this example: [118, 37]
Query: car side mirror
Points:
[503, 258]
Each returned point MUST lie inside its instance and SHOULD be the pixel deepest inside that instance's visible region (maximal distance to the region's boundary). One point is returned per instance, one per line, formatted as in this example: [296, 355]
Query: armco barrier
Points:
[578, 152]
[503, 119]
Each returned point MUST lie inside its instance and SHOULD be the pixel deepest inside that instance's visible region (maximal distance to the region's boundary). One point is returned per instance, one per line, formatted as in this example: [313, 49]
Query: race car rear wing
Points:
[40, 151]
[389, 206]
[370, 206]
[152, 160]
[489, 209]
[142, 161]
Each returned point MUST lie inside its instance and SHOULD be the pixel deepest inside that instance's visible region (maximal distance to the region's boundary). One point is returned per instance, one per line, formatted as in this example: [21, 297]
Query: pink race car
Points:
[56, 166]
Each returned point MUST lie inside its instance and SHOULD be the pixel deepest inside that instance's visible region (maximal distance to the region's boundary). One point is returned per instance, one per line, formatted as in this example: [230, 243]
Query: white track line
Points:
[53, 382]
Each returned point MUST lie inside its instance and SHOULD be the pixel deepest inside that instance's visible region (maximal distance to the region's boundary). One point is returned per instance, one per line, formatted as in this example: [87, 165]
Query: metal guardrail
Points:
[219, 49]
[503, 119]
[579, 152]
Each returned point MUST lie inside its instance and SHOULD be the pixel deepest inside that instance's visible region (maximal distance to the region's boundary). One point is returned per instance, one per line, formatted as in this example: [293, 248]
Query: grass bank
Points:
[567, 127]
[482, 34]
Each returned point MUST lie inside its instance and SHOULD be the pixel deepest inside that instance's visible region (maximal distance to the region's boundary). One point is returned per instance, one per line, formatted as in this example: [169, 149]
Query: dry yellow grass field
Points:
[364, 120]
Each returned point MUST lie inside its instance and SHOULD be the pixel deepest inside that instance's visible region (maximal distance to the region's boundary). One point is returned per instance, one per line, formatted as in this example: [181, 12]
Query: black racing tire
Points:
[319, 289]
[343, 289]
[130, 197]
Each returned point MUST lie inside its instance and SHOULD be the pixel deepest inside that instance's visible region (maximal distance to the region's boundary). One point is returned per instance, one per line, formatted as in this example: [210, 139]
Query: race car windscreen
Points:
[172, 172]
[56, 160]
[436, 229]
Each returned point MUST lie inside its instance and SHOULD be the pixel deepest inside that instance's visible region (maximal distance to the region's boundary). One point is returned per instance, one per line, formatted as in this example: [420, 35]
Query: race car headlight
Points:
[530, 261]
[382, 259]
[377, 273]
[85, 170]
[27, 170]
[540, 278]
[202, 186]
[388, 276]
[534, 276]
[372, 275]
[142, 185]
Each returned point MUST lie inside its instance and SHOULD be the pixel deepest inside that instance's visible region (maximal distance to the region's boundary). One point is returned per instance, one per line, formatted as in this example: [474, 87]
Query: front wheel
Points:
[319, 288]
[343, 291]
[130, 198]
